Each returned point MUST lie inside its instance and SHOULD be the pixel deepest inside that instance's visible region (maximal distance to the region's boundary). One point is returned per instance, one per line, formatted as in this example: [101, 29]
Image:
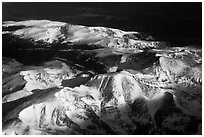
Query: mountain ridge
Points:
[74, 79]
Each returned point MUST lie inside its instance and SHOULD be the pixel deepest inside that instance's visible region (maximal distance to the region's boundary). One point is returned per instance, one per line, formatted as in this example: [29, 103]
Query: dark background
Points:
[179, 23]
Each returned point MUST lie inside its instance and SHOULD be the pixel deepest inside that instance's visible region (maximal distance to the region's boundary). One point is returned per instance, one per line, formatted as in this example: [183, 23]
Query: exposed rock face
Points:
[97, 80]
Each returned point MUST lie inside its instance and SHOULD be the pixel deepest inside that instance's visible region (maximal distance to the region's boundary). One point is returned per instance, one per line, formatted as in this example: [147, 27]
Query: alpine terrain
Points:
[60, 78]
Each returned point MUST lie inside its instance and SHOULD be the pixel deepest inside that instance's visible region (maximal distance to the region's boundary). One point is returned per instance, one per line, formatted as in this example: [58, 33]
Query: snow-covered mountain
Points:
[60, 78]
[59, 32]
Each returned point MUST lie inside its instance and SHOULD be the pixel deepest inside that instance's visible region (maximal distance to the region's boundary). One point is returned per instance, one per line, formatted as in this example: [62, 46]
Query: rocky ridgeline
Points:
[96, 80]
